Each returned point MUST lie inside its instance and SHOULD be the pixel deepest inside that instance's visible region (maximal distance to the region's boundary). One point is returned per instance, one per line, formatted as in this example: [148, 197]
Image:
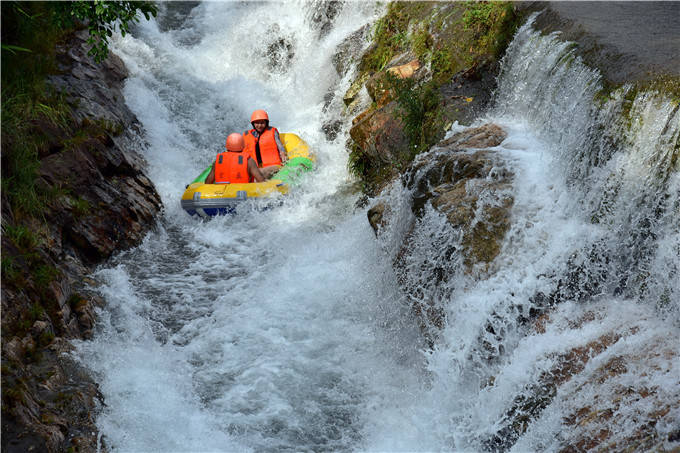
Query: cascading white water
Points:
[274, 330]
[594, 246]
[286, 329]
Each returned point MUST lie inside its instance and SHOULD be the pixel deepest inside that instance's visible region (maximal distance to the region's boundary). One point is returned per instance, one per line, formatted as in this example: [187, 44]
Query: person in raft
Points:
[264, 144]
[234, 165]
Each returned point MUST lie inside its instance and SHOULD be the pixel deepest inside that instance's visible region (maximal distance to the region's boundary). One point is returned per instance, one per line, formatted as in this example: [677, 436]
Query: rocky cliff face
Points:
[99, 202]
[430, 65]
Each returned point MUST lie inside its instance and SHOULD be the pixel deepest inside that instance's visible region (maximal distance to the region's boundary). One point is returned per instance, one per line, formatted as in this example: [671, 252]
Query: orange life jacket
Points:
[263, 148]
[232, 168]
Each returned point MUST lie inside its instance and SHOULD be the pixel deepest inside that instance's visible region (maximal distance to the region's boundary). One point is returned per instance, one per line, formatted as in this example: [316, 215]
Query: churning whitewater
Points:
[271, 330]
[285, 329]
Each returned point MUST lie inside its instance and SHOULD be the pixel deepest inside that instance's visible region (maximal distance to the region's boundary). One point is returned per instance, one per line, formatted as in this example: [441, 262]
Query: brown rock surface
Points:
[486, 136]
[102, 203]
[380, 135]
[471, 189]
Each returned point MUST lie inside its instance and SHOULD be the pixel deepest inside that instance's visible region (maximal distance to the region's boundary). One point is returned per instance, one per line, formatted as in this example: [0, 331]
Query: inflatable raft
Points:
[207, 200]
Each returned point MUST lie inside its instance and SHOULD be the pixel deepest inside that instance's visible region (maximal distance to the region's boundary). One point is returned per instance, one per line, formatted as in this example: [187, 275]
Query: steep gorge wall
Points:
[99, 202]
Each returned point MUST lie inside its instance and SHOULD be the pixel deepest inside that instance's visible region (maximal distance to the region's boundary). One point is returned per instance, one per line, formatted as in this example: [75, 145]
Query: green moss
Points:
[76, 302]
[36, 312]
[445, 64]
[447, 38]
[450, 37]
[22, 237]
[492, 23]
[390, 34]
[44, 275]
[422, 42]
[10, 269]
[661, 83]
[419, 113]
[81, 207]
[45, 338]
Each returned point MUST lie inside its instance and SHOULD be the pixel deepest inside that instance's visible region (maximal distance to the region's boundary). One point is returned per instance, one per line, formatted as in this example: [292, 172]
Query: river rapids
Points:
[286, 329]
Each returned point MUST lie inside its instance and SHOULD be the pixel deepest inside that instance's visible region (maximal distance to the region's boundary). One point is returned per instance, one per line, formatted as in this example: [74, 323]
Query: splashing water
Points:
[287, 329]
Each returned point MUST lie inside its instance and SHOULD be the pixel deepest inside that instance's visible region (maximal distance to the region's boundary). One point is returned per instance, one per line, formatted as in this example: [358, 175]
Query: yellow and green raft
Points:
[207, 200]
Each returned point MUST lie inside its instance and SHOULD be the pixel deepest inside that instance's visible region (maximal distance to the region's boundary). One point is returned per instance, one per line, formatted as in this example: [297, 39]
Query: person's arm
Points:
[254, 171]
[210, 179]
[282, 149]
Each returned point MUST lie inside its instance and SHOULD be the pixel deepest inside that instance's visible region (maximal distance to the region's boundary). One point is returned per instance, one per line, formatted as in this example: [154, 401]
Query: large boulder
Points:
[469, 185]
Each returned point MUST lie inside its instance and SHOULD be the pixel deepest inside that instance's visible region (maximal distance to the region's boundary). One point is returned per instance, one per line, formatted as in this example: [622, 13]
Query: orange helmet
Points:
[235, 142]
[259, 115]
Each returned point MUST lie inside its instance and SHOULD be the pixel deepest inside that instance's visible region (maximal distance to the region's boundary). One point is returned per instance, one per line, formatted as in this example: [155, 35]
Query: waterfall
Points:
[587, 278]
[289, 329]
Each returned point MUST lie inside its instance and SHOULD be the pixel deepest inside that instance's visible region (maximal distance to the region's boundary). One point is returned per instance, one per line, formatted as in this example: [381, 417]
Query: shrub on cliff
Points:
[30, 109]
[443, 42]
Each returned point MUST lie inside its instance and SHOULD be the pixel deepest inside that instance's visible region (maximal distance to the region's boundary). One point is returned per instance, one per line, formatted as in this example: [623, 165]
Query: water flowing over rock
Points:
[516, 289]
[585, 334]
[467, 183]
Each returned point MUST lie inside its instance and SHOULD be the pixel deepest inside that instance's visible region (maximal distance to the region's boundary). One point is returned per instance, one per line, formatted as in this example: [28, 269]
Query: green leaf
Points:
[14, 49]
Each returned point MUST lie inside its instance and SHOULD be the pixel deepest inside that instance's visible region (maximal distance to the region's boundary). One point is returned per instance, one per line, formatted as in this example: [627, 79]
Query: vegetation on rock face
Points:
[419, 112]
[446, 39]
[41, 124]
[448, 36]
[30, 21]
[31, 110]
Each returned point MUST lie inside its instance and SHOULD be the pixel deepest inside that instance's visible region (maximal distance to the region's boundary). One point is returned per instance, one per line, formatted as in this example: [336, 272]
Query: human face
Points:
[259, 125]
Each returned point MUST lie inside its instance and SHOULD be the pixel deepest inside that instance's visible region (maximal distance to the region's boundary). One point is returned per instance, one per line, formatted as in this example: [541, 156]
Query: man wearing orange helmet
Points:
[234, 165]
[263, 143]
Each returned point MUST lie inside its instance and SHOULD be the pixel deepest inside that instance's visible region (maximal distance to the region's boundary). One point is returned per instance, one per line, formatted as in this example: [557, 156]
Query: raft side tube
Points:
[215, 199]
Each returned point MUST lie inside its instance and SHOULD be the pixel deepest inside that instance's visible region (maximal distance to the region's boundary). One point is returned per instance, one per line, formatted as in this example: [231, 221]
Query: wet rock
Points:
[380, 135]
[347, 50]
[331, 129]
[324, 14]
[95, 90]
[376, 217]
[473, 191]
[469, 92]
[41, 327]
[103, 202]
[352, 94]
[486, 136]
[13, 349]
[624, 413]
